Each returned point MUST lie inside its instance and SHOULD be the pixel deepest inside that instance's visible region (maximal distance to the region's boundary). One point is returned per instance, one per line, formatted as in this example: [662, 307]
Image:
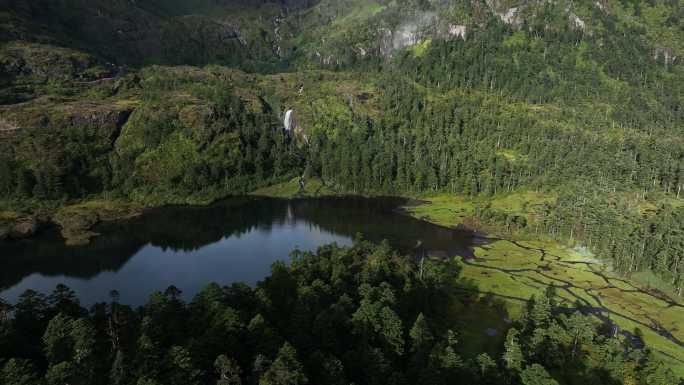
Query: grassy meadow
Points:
[508, 270]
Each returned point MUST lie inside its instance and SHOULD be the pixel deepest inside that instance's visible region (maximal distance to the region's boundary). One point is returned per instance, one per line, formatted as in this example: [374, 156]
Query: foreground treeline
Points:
[358, 315]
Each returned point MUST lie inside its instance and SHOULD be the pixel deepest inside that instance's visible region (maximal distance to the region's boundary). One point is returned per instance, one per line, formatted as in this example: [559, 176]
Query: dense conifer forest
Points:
[362, 314]
[581, 102]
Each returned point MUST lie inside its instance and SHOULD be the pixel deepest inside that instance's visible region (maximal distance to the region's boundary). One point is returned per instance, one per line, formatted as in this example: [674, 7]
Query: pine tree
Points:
[64, 300]
[513, 356]
[535, 374]
[180, 368]
[228, 371]
[24, 184]
[19, 372]
[61, 373]
[147, 381]
[83, 335]
[285, 370]
[58, 343]
[119, 374]
[541, 311]
[581, 329]
[485, 364]
[421, 336]
[656, 373]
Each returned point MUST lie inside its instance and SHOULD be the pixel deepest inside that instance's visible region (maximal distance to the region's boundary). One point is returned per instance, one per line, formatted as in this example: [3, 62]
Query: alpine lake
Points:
[235, 240]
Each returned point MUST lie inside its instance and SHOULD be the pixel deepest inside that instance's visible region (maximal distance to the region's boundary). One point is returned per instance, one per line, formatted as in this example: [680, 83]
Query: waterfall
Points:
[289, 120]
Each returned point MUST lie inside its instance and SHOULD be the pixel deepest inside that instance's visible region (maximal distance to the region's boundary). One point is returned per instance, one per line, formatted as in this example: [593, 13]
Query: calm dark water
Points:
[233, 241]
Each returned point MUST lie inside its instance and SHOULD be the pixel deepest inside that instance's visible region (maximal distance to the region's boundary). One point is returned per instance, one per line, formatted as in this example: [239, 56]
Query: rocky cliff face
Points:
[410, 32]
[338, 33]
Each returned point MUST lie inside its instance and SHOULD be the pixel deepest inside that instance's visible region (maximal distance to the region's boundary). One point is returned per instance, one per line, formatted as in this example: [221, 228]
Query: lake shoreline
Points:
[499, 268]
[78, 220]
[234, 240]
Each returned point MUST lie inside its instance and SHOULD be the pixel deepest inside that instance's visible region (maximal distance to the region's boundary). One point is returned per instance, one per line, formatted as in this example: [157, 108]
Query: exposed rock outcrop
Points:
[292, 126]
[76, 227]
[577, 22]
[23, 227]
[457, 31]
[666, 54]
[8, 129]
[413, 30]
[510, 16]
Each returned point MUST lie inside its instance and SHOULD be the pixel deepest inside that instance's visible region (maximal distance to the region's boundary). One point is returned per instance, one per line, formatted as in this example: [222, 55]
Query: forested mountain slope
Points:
[136, 33]
[581, 99]
[161, 102]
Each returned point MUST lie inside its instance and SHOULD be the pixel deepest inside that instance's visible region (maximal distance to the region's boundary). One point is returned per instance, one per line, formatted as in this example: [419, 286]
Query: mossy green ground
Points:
[421, 48]
[451, 210]
[8, 215]
[77, 220]
[359, 12]
[507, 272]
[444, 210]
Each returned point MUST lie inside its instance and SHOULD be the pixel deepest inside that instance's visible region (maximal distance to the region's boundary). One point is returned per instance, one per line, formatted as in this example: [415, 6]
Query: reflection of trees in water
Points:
[190, 228]
[176, 228]
[48, 255]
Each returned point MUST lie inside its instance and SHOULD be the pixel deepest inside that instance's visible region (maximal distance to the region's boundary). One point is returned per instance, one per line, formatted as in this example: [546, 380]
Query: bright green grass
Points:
[649, 279]
[515, 272]
[451, 210]
[362, 12]
[444, 210]
[512, 271]
[107, 209]
[421, 48]
[521, 202]
[511, 155]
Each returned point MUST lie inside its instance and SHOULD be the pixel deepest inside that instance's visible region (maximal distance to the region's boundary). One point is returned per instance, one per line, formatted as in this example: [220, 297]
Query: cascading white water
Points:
[289, 120]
